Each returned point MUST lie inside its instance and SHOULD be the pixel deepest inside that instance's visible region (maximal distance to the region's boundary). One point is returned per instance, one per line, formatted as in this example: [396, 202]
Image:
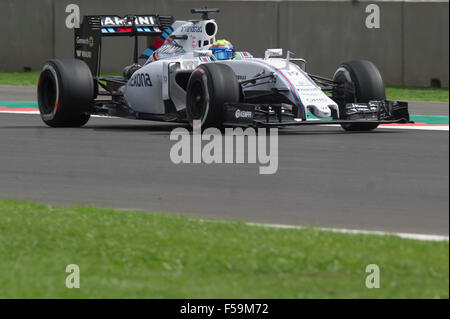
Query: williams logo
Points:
[84, 54]
[192, 28]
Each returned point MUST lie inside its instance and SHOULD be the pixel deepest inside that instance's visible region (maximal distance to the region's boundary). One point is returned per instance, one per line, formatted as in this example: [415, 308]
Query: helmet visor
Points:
[223, 55]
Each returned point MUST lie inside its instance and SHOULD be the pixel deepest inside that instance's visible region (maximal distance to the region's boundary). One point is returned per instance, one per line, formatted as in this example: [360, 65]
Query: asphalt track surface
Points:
[390, 180]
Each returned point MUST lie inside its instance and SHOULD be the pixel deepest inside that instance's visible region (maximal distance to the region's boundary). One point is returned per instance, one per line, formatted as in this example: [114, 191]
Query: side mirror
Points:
[302, 62]
[273, 52]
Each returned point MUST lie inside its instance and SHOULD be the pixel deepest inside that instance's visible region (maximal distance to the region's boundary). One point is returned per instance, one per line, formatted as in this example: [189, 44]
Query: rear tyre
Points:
[209, 88]
[65, 93]
[368, 85]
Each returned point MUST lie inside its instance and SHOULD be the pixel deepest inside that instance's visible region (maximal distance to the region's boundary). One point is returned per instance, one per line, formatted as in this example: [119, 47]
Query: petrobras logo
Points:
[192, 29]
[116, 21]
[89, 41]
[243, 114]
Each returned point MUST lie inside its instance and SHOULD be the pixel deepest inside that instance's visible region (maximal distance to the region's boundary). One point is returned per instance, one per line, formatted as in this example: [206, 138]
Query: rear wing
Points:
[88, 38]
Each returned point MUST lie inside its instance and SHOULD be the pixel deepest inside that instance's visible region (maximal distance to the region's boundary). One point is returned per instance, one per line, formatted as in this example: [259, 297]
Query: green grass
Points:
[403, 93]
[23, 78]
[138, 255]
[393, 92]
[19, 78]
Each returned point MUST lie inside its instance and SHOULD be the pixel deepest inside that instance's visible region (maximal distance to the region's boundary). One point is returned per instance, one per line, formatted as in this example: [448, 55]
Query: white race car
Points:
[186, 79]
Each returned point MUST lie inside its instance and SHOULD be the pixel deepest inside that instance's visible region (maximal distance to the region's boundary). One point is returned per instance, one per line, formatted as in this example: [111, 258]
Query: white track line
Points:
[20, 112]
[424, 237]
[442, 127]
[37, 113]
[424, 128]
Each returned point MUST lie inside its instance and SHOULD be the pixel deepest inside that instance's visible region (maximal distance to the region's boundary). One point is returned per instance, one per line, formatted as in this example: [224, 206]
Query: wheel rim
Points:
[197, 100]
[47, 97]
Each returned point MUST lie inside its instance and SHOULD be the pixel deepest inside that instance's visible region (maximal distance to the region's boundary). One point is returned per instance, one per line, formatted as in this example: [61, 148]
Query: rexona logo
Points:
[116, 21]
[141, 80]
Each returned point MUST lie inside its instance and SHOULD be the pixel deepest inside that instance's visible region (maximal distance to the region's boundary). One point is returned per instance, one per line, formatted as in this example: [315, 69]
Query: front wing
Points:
[277, 115]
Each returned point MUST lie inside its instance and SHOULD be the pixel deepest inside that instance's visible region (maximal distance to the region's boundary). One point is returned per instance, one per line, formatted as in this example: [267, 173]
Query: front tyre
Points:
[65, 93]
[367, 84]
[209, 88]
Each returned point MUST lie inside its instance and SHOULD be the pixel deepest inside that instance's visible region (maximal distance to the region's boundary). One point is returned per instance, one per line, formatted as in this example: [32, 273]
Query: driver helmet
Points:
[223, 50]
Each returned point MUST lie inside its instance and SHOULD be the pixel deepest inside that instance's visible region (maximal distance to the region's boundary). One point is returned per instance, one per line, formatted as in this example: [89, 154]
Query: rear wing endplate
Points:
[88, 38]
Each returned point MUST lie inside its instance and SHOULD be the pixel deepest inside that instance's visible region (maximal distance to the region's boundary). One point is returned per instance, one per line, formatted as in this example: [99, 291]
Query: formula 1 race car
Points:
[184, 80]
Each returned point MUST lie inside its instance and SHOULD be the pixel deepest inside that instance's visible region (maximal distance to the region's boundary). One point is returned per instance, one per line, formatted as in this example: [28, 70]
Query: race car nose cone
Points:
[320, 111]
